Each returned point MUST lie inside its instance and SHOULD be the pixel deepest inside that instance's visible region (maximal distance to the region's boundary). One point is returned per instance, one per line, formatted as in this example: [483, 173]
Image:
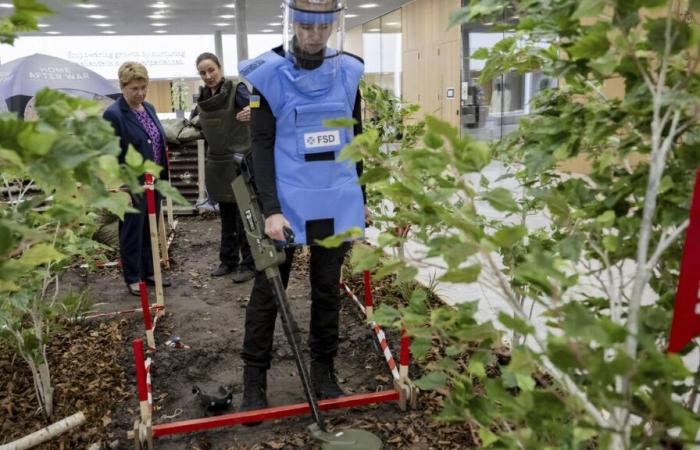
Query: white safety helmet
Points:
[313, 29]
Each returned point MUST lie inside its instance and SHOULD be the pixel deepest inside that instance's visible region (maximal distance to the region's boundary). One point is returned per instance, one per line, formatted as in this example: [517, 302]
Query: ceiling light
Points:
[230, 5]
[156, 16]
[43, 25]
[373, 30]
[274, 24]
[6, 5]
[97, 16]
[222, 24]
[160, 31]
[103, 25]
[158, 24]
[267, 30]
[86, 5]
[368, 5]
[227, 16]
[53, 32]
[351, 16]
[108, 32]
[158, 5]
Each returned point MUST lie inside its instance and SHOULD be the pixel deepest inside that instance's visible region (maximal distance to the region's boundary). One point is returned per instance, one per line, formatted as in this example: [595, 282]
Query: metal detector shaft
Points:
[289, 325]
[268, 256]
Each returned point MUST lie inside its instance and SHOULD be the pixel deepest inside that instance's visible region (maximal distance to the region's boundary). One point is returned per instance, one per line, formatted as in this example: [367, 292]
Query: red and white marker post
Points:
[369, 302]
[163, 236]
[143, 428]
[402, 383]
[147, 322]
[155, 244]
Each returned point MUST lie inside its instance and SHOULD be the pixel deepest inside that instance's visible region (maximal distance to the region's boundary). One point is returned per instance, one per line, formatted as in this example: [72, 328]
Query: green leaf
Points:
[481, 53]
[168, 190]
[339, 123]
[509, 236]
[525, 382]
[487, 438]
[557, 204]
[420, 347]
[41, 254]
[477, 368]
[501, 199]
[610, 243]
[36, 142]
[336, 240]
[133, 158]
[589, 8]
[592, 44]
[406, 274]
[582, 435]
[431, 381]
[386, 315]
[464, 275]
[515, 324]
[570, 247]
[607, 219]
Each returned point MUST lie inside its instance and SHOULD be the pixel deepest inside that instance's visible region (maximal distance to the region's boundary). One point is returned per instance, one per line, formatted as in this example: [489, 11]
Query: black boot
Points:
[324, 381]
[254, 391]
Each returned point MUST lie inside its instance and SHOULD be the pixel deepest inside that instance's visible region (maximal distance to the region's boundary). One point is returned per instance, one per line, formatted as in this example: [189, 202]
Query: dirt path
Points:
[208, 315]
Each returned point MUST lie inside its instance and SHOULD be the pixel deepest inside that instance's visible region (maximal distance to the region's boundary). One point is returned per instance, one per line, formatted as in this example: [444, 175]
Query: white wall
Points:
[164, 56]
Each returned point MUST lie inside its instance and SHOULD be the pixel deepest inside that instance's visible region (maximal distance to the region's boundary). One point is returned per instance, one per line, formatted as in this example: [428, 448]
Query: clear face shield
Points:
[313, 31]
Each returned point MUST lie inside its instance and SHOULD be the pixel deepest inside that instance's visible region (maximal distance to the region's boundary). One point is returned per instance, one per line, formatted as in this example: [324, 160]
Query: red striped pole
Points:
[405, 358]
[369, 310]
[148, 324]
[118, 313]
[155, 247]
[378, 332]
[141, 381]
[386, 351]
[149, 387]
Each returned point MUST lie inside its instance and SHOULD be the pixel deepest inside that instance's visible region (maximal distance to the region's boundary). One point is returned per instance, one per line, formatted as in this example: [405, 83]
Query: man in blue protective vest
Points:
[300, 180]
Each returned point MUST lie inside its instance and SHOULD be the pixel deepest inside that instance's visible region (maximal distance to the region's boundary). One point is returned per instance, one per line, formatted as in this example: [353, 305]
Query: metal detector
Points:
[268, 255]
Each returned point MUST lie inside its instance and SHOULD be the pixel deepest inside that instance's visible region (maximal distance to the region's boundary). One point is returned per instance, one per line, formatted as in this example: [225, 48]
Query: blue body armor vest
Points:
[319, 195]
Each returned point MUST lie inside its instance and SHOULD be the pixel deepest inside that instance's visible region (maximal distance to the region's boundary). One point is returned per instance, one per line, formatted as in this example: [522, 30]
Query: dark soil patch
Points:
[93, 364]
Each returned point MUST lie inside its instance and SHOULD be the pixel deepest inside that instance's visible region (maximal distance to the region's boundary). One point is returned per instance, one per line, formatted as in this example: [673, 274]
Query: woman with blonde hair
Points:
[135, 122]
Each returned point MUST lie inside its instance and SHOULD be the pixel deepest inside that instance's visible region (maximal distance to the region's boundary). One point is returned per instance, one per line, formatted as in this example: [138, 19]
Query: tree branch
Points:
[665, 242]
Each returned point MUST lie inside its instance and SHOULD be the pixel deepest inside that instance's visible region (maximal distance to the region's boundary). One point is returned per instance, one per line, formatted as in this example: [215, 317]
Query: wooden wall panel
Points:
[159, 95]
[431, 56]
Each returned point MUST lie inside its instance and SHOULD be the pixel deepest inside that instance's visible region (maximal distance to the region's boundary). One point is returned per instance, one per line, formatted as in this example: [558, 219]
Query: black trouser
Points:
[325, 309]
[135, 241]
[234, 249]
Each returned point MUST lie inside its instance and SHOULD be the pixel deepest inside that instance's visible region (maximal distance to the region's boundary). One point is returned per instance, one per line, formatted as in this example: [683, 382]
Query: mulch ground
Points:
[92, 367]
[87, 376]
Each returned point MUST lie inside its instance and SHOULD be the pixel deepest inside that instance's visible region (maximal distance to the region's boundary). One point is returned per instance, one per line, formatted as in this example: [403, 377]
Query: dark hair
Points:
[207, 55]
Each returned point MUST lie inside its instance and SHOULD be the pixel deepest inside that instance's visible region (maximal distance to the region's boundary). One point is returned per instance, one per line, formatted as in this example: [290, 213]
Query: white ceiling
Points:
[130, 17]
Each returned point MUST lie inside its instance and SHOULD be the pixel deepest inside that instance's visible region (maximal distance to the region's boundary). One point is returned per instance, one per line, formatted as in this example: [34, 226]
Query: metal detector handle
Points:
[264, 250]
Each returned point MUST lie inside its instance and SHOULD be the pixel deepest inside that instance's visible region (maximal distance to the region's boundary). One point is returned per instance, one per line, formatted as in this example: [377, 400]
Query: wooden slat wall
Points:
[159, 93]
[431, 57]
